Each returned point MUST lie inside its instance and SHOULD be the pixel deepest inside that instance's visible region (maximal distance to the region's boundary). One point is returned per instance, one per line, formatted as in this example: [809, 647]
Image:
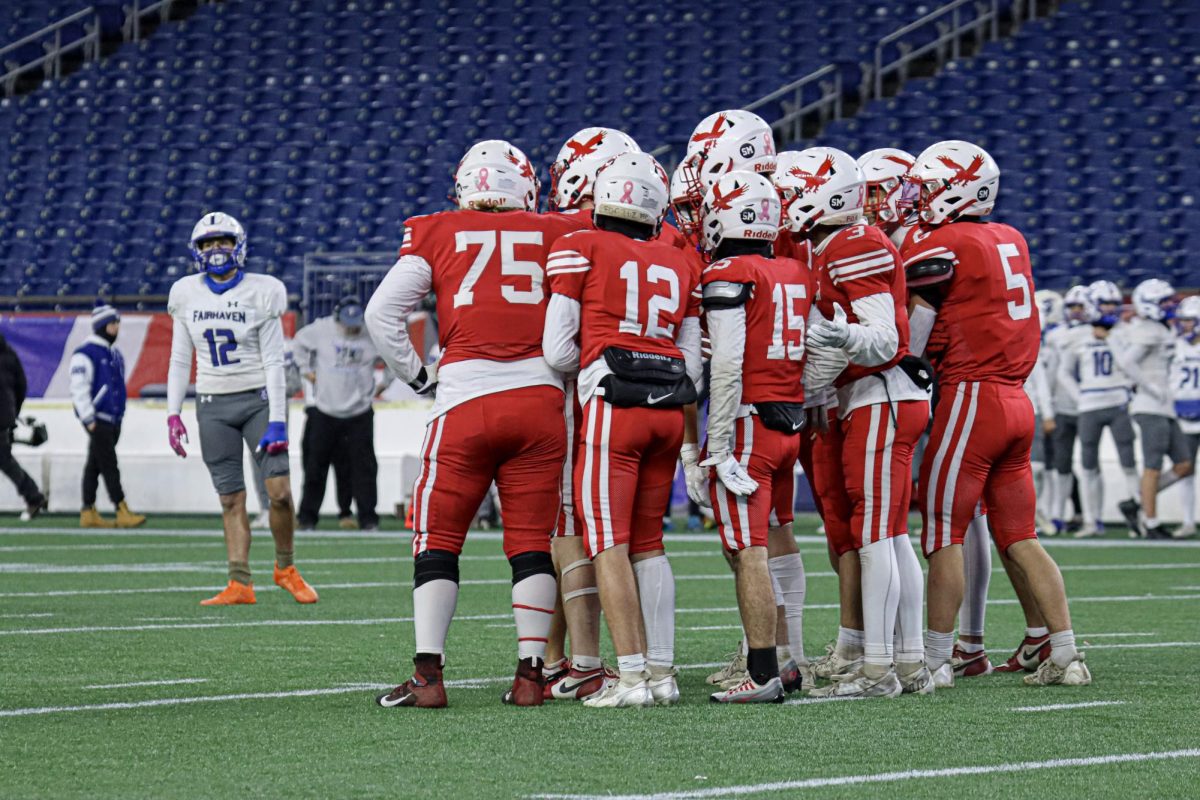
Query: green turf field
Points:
[277, 699]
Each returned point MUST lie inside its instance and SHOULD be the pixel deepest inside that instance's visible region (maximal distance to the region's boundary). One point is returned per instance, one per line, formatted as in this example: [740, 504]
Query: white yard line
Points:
[1111, 635]
[265, 623]
[26, 616]
[883, 777]
[177, 682]
[1140, 645]
[1068, 706]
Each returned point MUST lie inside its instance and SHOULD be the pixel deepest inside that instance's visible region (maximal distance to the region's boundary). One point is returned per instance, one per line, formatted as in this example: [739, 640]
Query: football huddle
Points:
[860, 317]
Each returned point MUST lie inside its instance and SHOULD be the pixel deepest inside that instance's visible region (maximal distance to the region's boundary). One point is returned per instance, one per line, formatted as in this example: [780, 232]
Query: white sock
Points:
[1187, 496]
[938, 647]
[586, 663]
[549, 669]
[1091, 494]
[880, 601]
[1066, 483]
[1167, 479]
[1062, 647]
[1151, 522]
[631, 667]
[782, 654]
[969, 647]
[533, 608]
[744, 644]
[1037, 633]
[433, 608]
[977, 575]
[909, 644]
[849, 643]
[1040, 490]
[656, 590]
[1133, 483]
[787, 572]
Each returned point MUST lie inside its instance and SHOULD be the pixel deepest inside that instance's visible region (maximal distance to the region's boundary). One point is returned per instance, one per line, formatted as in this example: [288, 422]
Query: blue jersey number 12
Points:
[221, 343]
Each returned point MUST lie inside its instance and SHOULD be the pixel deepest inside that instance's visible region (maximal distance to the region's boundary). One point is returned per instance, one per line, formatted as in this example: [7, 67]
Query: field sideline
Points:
[117, 683]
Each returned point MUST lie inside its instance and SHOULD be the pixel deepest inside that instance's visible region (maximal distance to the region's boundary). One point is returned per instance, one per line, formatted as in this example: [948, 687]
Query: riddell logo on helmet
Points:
[747, 150]
[748, 216]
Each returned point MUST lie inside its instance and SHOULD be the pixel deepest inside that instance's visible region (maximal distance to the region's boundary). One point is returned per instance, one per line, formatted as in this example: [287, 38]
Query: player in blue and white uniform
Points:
[1185, 395]
[230, 320]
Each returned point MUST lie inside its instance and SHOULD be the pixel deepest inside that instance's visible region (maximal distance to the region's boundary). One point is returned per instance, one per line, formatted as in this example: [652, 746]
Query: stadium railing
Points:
[51, 40]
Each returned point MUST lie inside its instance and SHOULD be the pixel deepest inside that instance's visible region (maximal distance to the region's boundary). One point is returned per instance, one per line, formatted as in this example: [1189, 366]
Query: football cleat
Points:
[1095, 530]
[619, 694]
[1031, 652]
[1129, 509]
[663, 686]
[576, 684]
[290, 580]
[915, 681]
[734, 670]
[1185, 532]
[943, 677]
[528, 688]
[831, 664]
[1043, 524]
[234, 594]
[860, 685]
[424, 689]
[554, 677]
[796, 677]
[1159, 532]
[347, 524]
[750, 692]
[32, 510]
[1075, 673]
[970, 665]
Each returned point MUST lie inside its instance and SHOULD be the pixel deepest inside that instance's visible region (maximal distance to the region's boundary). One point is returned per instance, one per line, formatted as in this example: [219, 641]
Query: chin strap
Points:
[221, 288]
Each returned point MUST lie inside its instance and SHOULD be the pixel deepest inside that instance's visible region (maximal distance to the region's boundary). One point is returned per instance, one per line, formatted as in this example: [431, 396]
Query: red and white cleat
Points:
[1029, 656]
[970, 665]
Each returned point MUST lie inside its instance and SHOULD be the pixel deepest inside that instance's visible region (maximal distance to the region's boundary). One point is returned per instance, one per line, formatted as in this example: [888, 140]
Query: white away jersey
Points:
[1146, 346]
[227, 330]
[1185, 385]
[1102, 382]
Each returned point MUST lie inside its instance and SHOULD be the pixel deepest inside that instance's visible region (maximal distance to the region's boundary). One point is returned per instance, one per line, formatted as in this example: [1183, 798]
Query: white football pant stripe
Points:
[433, 439]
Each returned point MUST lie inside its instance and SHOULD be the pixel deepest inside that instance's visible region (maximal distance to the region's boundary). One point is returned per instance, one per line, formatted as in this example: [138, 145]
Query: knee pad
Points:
[435, 565]
[526, 565]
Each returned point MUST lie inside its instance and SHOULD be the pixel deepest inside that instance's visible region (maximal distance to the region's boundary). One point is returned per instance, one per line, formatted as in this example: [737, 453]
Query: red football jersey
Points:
[633, 294]
[776, 313]
[488, 269]
[788, 245]
[988, 327]
[855, 262]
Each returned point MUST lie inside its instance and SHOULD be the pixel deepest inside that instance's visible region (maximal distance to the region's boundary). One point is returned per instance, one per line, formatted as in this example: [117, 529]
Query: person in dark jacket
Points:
[12, 397]
[98, 393]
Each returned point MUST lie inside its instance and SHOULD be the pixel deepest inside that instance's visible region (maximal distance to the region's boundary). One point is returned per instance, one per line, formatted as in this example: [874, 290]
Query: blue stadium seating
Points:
[323, 124]
[1090, 115]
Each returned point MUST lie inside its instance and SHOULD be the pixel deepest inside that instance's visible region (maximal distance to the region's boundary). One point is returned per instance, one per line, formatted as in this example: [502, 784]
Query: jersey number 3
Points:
[509, 265]
[221, 342]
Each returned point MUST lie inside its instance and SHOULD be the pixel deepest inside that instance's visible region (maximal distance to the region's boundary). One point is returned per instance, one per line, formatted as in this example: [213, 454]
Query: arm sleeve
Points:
[270, 343]
[82, 370]
[302, 353]
[1129, 357]
[727, 329]
[180, 369]
[874, 339]
[689, 344]
[1043, 390]
[400, 292]
[559, 345]
[920, 324]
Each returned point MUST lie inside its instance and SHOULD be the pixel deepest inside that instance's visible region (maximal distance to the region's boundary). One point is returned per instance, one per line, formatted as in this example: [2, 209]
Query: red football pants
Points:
[978, 449]
[770, 459]
[515, 438]
[623, 474]
[863, 467]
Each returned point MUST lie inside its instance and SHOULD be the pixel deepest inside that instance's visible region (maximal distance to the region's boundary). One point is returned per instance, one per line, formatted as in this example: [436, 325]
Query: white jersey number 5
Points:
[1022, 309]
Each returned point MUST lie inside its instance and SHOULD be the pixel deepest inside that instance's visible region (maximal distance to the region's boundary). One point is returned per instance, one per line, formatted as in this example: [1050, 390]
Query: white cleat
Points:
[862, 686]
[1184, 532]
[1088, 532]
[832, 663]
[750, 692]
[262, 521]
[1048, 673]
[916, 681]
[943, 676]
[618, 694]
[735, 671]
[663, 687]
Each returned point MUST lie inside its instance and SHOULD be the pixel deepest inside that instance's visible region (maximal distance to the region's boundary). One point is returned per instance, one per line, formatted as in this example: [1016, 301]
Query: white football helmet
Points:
[746, 133]
[573, 172]
[495, 175]
[741, 205]
[219, 261]
[956, 179]
[684, 200]
[885, 171]
[1153, 299]
[632, 186]
[823, 187]
[1104, 292]
[1189, 308]
[1078, 304]
[1050, 305]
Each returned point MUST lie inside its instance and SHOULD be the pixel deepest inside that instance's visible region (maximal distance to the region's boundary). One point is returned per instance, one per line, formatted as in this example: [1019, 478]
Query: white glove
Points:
[830, 333]
[731, 473]
[695, 475]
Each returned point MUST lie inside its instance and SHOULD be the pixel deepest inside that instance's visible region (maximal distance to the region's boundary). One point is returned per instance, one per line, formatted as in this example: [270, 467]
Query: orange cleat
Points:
[290, 579]
[235, 594]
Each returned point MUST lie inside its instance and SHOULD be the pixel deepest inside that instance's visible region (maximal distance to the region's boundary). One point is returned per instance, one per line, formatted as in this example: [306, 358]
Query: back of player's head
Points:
[495, 176]
[956, 179]
[1154, 299]
[221, 260]
[885, 171]
[742, 205]
[821, 186]
[742, 137]
[573, 173]
[632, 187]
